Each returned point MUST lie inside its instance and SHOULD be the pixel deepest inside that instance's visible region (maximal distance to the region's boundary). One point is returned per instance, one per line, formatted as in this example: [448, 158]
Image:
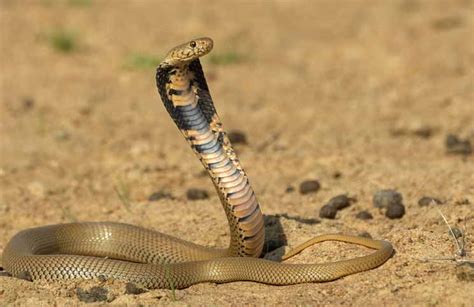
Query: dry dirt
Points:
[368, 90]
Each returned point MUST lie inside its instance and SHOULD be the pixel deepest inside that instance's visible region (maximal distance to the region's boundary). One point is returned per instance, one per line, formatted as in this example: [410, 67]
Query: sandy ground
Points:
[318, 87]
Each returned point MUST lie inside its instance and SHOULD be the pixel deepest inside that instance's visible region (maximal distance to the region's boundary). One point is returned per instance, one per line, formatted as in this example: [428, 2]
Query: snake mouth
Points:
[187, 52]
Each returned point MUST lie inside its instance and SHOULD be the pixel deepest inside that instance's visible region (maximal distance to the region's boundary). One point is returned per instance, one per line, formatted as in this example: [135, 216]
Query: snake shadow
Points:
[275, 236]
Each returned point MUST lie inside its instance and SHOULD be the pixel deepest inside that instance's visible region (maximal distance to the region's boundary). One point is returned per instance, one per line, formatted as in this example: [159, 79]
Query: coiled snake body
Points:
[155, 260]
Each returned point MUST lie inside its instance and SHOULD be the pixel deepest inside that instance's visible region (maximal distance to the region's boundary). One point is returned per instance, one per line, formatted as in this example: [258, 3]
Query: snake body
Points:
[155, 260]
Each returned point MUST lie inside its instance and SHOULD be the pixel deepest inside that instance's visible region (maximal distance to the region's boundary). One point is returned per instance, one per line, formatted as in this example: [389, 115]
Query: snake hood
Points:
[188, 52]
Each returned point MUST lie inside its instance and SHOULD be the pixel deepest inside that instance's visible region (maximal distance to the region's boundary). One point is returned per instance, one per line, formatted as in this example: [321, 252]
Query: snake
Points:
[113, 250]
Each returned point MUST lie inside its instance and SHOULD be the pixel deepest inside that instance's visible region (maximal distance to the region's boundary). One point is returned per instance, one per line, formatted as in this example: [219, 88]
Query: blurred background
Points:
[360, 95]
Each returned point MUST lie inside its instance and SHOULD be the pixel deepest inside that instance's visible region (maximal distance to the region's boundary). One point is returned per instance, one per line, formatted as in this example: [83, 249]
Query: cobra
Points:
[155, 260]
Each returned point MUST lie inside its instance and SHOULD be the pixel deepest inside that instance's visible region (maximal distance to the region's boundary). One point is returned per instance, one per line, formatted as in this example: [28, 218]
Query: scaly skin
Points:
[156, 260]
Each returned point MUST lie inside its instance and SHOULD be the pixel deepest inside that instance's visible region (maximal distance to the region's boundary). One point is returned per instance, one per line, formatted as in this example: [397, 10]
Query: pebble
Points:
[237, 137]
[28, 103]
[387, 198]
[427, 201]
[95, 294]
[395, 211]
[455, 145]
[364, 215]
[456, 232]
[340, 201]
[309, 186]
[160, 195]
[131, 288]
[327, 212]
[365, 234]
[290, 189]
[196, 194]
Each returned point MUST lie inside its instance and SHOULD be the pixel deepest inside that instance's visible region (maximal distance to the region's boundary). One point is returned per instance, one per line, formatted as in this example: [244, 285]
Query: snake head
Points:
[187, 52]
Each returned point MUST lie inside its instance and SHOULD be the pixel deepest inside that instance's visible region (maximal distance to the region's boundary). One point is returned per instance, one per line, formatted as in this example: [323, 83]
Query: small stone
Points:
[327, 212]
[309, 186]
[427, 201]
[386, 198]
[290, 189]
[237, 137]
[456, 232]
[465, 271]
[95, 294]
[27, 103]
[340, 201]
[364, 215]
[196, 194]
[365, 234]
[395, 211]
[102, 278]
[131, 288]
[159, 195]
[337, 175]
[455, 145]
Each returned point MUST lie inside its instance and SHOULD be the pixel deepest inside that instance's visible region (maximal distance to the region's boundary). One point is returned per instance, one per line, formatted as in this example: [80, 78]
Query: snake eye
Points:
[192, 44]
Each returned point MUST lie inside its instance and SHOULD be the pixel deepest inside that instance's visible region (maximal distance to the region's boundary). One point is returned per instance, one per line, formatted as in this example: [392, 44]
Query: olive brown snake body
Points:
[155, 260]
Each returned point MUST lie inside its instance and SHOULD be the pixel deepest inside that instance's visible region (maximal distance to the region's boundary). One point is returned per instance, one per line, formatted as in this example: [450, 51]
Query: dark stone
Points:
[102, 278]
[308, 221]
[456, 232]
[364, 215]
[395, 211]
[427, 201]
[340, 201]
[455, 145]
[327, 212]
[159, 195]
[196, 194]
[365, 234]
[95, 294]
[387, 198]
[28, 103]
[309, 186]
[131, 288]
[290, 189]
[237, 137]
[337, 175]
[465, 271]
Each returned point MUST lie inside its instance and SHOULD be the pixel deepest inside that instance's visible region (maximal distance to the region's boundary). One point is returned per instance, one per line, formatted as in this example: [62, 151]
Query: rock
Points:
[427, 200]
[327, 212]
[95, 294]
[340, 201]
[290, 189]
[196, 194]
[131, 288]
[309, 186]
[456, 232]
[395, 211]
[364, 215]
[237, 137]
[455, 145]
[159, 195]
[387, 198]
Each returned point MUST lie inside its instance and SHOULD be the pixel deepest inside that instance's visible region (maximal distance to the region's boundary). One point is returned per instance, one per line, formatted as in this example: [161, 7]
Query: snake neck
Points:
[185, 94]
